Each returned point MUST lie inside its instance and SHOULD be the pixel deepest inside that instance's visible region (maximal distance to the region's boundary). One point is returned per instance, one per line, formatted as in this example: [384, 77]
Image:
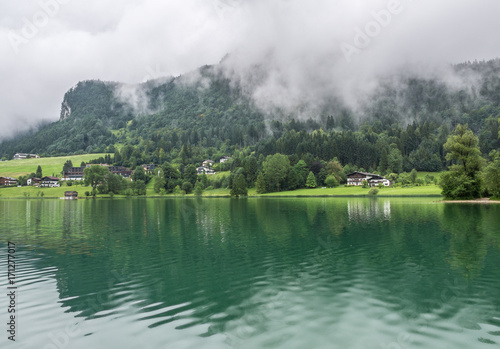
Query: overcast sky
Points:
[47, 46]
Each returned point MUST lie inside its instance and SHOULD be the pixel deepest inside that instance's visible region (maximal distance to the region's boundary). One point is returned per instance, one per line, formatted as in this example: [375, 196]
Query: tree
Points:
[260, 184]
[293, 179]
[302, 171]
[160, 181]
[190, 175]
[39, 172]
[462, 181]
[335, 168]
[172, 177]
[331, 181]
[198, 189]
[311, 180]
[140, 175]
[94, 175]
[275, 170]
[413, 176]
[462, 147]
[395, 159]
[139, 187]
[67, 165]
[187, 187]
[491, 175]
[113, 183]
[239, 186]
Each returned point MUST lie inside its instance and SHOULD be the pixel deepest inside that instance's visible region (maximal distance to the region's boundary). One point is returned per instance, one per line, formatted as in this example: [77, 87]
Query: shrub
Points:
[373, 191]
[331, 181]
[87, 193]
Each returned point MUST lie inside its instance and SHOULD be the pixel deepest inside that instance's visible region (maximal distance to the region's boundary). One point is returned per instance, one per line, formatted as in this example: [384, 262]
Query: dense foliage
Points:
[179, 122]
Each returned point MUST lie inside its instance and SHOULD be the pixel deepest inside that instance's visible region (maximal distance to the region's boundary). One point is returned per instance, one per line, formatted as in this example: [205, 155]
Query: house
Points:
[73, 173]
[208, 163]
[22, 156]
[50, 182]
[357, 178]
[149, 168]
[34, 181]
[8, 181]
[224, 159]
[71, 195]
[205, 170]
[120, 170]
[77, 174]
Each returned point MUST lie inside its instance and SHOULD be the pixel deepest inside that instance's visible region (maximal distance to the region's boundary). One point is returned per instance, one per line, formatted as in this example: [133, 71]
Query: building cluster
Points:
[77, 173]
[22, 156]
[373, 180]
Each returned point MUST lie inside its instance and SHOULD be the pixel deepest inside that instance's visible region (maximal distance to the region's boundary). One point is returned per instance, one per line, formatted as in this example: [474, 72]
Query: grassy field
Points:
[50, 166]
[431, 190]
[33, 192]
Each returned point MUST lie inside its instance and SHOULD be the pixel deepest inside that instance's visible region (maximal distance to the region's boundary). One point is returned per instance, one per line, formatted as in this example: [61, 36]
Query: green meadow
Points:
[50, 166]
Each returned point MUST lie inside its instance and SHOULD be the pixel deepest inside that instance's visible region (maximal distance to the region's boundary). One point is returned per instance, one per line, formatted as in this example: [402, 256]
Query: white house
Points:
[208, 163]
[224, 159]
[22, 156]
[50, 182]
[357, 178]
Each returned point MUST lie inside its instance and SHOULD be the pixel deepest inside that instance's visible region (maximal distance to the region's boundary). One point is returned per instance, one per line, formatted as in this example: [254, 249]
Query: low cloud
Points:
[286, 53]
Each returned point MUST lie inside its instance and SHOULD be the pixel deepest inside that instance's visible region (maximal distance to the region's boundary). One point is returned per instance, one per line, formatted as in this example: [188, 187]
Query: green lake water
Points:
[252, 273]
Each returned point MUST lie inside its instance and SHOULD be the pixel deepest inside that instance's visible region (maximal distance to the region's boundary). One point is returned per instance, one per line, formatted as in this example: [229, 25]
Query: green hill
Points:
[204, 114]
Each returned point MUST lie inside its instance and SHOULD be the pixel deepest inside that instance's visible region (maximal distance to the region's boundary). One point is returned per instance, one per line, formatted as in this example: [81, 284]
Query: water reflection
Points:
[265, 272]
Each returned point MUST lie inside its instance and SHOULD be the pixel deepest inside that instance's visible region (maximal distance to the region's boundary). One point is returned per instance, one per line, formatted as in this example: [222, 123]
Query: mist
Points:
[287, 55]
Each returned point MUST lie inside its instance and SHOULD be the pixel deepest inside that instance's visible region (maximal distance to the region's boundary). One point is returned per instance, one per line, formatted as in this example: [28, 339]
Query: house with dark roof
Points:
[357, 179]
[50, 182]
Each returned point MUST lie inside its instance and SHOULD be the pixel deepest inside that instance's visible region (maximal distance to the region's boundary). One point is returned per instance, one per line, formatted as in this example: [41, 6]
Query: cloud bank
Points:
[306, 51]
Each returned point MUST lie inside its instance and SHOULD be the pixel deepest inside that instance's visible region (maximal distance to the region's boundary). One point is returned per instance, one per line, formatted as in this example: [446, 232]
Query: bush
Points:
[87, 193]
[187, 187]
[373, 191]
[331, 182]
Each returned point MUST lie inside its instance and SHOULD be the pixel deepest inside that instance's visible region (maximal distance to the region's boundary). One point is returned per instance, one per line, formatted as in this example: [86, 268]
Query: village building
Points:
[208, 163]
[50, 182]
[73, 173]
[205, 170]
[224, 159]
[77, 173]
[149, 168]
[71, 195]
[8, 181]
[22, 156]
[34, 181]
[357, 179]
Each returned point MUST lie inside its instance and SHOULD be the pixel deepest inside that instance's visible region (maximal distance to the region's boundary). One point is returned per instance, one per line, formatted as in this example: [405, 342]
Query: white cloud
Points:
[124, 41]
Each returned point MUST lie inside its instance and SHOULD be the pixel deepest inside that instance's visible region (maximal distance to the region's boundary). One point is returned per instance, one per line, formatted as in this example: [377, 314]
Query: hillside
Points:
[206, 114]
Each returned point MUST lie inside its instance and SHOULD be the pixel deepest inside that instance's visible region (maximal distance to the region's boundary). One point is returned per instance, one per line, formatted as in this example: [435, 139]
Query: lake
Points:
[252, 273]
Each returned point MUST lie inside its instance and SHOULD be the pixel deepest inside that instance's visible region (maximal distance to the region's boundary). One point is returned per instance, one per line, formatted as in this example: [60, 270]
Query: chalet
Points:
[71, 195]
[120, 170]
[73, 173]
[357, 178]
[8, 181]
[205, 170]
[34, 181]
[149, 167]
[77, 174]
[208, 163]
[224, 159]
[50, 182]
[22, 156]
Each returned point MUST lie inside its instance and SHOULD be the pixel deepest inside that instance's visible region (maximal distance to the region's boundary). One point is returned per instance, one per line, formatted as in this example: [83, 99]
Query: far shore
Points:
[472, 201]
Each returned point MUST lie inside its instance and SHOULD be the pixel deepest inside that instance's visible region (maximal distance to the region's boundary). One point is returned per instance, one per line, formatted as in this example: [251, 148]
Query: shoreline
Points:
[483, 201]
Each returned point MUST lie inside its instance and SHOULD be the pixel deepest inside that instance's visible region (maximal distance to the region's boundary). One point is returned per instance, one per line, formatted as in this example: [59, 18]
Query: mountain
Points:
[212, 112]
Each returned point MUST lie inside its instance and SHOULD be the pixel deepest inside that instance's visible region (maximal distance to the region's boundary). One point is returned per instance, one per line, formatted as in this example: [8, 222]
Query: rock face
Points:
[65, 110]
